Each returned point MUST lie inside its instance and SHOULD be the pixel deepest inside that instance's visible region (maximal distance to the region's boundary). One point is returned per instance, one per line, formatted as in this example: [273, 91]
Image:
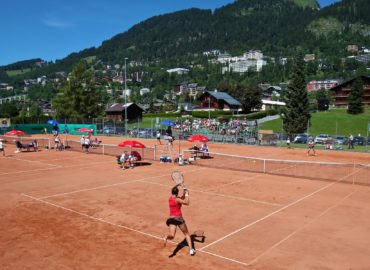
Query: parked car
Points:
[302, 138]
[357, 140]
[322, 138]
[146, 133]
[368, 140]
[341, 140]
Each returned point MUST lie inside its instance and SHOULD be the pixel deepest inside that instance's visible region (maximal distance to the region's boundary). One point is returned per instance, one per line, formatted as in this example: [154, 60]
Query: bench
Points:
[26, 146]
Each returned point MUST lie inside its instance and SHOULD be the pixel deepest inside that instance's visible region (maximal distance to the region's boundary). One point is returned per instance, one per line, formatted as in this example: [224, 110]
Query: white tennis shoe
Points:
[192, 252]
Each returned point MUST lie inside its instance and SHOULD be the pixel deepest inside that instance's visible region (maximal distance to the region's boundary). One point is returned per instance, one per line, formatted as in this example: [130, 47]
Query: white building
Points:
[253, 54]
[270, 104]
[178, 70]
[126, 93]
[247, 65]
[144, 91]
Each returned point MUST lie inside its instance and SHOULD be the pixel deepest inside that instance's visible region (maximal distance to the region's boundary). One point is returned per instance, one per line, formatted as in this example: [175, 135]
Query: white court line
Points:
[58, 167]
[124, 227]
[216, 194]
[302, 227]
[33, 161]
[107, 186]
[277, 211]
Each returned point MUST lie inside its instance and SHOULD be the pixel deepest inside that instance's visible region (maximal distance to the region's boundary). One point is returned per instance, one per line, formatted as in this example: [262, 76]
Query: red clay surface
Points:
[68, 210]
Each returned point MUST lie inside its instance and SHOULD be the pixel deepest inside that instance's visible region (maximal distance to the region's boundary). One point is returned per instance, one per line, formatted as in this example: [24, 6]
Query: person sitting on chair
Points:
[204, 149]
[34, 145]
[125, 160]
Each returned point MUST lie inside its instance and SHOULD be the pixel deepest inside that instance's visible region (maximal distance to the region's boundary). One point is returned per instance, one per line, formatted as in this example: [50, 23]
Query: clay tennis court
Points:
[69, 210]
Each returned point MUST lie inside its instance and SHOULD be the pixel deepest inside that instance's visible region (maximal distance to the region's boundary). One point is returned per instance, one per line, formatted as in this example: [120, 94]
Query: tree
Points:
[355, 98]
[79, 98]
[296, 114]
[323, 100]
[248, 96]
[9, 109]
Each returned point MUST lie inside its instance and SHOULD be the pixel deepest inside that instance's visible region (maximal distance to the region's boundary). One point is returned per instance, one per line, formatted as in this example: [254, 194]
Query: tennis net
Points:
[41, 142]
[329, 171]
[147, 153]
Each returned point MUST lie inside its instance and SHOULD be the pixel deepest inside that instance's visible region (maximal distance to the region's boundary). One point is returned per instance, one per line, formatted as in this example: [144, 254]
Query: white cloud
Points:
[57, 23]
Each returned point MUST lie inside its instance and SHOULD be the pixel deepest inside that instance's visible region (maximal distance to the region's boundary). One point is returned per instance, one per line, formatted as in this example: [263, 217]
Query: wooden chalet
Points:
[117, 111]
[342, 91]
[215, 100]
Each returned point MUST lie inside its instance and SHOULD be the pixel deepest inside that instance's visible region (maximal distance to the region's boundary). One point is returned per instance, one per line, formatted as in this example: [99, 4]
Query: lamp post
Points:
[125, 97]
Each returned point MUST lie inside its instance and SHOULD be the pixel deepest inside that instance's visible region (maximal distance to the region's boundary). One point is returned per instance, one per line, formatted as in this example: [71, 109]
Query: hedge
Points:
[150, 115]
[213, 114]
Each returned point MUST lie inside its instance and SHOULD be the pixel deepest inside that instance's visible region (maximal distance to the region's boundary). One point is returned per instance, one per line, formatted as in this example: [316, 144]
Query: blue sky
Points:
[52, 29]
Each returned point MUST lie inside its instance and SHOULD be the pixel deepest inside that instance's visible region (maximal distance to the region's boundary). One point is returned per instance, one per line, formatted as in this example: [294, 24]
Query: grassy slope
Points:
[333, 122]
[17, 72]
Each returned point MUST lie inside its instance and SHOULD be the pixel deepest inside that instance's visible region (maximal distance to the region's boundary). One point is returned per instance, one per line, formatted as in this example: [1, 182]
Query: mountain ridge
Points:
[277, 27]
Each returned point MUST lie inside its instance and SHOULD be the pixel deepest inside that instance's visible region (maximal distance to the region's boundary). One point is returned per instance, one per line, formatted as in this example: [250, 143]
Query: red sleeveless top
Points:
[175, 207]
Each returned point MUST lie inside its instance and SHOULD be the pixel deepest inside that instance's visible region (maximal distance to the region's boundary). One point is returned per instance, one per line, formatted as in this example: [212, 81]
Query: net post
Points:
[103, 149]
[49, 144]
[155, 152]
[353, 173]
[264, 166]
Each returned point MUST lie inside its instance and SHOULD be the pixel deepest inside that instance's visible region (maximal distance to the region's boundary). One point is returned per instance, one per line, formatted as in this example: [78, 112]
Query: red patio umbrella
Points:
[15, 132]
[131, 143]
[88, 130]
[198, 138]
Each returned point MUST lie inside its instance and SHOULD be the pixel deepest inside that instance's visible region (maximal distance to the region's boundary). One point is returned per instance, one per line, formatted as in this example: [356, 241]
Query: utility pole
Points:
[125, 97]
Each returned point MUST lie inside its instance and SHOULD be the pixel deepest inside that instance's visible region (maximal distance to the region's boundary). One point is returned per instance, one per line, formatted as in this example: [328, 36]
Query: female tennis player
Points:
[175, 202]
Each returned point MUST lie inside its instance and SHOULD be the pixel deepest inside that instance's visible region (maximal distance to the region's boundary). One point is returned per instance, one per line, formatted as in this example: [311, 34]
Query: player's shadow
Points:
[183, 243]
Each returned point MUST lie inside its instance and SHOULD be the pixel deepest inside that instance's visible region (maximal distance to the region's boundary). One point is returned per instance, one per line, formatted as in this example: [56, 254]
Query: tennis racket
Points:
[178, 178]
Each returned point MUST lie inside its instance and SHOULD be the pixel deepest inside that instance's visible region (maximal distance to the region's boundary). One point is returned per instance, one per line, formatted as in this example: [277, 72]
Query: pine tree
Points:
[296, 114]
[355, 98]
[79, 99]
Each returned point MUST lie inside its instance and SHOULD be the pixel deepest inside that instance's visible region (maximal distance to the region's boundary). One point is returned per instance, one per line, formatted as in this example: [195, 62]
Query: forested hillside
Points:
[277, 27]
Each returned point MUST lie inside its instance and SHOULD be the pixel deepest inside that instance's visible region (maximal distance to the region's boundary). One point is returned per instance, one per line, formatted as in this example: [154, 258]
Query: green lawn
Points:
[17, 72]
[150, 122]
[333, 122]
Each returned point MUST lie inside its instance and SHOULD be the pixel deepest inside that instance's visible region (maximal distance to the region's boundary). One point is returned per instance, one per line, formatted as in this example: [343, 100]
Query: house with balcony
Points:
[118, 110]
[215, 100]
[341, 92]
[326, 84]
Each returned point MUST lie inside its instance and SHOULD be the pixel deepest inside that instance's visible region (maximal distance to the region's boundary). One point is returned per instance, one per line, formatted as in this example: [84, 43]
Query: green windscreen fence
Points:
[47, 128]
[33, 128]
[73, 129]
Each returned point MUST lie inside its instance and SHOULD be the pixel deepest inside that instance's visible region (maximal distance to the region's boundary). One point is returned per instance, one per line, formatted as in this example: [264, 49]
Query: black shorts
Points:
[175, 221]
[1, 149]
[86, 146]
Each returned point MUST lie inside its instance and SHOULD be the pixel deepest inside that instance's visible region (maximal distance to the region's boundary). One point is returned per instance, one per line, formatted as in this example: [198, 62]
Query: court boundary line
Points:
[277, 211]
[302, 227]
[110, 185]
[32, 161]
[56, 168]
[216, 194]
[159, 184]
[125, 227]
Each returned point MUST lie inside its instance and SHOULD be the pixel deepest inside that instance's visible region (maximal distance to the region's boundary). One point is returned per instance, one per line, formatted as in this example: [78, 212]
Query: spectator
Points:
[56, 142]
[159, 137]
[350, 142]
[2, 147]
[87, 144]
[82, 142]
